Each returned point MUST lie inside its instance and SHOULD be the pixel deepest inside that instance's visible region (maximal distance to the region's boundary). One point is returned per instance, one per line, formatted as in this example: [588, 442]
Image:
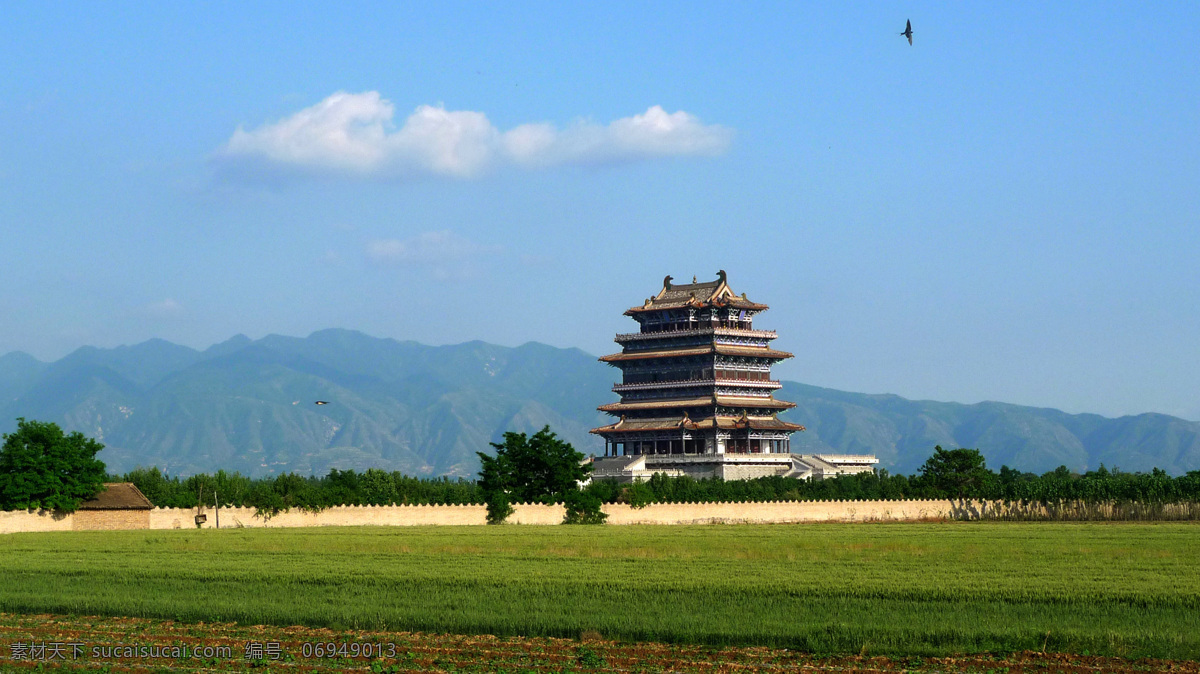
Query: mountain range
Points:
[249, 405]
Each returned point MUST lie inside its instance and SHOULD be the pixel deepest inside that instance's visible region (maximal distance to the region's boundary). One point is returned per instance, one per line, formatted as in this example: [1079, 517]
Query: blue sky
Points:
[1009, 209]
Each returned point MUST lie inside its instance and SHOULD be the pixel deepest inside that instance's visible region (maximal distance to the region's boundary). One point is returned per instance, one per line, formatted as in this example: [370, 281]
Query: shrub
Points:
[583, 507]
[638, 495]
[498, 507]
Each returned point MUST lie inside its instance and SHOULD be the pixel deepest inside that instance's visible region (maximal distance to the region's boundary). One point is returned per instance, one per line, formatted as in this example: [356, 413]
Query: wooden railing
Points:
[740, 332]
[677, 383]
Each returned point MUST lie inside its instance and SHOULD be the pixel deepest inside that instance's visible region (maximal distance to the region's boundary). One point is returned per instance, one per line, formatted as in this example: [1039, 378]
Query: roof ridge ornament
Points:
[721, 276]
[667, 283]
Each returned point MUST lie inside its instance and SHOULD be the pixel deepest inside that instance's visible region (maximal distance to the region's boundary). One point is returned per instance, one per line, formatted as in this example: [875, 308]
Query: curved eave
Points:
[754, 351]
[617, 408]
[634, 355]
[697, 304]
[738, 401]
[706, 401]
[739, 303]
[775, 425]
[719, 349]
[647, 426]
[666, 306]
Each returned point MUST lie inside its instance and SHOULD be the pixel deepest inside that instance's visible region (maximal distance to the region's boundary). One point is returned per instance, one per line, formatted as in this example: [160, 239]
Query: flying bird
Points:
[908, 30]
[322, 402]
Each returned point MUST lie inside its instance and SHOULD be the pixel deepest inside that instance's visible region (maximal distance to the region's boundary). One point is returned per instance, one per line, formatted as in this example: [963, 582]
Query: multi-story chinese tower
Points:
[696, 389]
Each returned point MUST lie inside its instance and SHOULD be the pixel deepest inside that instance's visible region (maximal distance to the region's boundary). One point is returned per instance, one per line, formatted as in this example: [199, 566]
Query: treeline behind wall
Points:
[275, 494]
[377, 487]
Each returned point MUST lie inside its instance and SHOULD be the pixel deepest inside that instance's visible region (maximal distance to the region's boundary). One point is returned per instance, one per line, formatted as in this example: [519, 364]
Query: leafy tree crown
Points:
[532, 468]
[956, 472]
[43, 467]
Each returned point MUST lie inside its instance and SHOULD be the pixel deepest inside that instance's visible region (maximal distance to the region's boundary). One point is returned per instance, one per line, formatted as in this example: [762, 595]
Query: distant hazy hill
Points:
[902, 433]
[247, 405]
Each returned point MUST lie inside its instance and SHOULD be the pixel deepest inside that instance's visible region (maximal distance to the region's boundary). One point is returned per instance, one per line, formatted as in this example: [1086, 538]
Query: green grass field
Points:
[1129, 590]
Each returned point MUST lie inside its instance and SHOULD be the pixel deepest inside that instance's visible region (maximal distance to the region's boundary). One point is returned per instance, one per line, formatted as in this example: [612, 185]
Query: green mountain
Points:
[902, 433]
[248, 405]
[18, 372]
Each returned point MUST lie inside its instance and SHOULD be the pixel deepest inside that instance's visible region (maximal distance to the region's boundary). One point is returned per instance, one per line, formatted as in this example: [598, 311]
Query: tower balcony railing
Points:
[678, 383]
[690, 332]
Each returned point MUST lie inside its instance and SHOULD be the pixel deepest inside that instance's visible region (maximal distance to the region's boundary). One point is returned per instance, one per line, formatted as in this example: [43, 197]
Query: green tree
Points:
[583, 507]
[958, 473]
[265, 500]
[533, 468]
[162, 491]
[42, 467]
[378, 487]
[341, 487]
[638, 495]
[527, 469]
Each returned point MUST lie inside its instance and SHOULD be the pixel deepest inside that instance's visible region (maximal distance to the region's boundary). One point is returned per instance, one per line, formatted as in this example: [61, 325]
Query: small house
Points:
[121, 505]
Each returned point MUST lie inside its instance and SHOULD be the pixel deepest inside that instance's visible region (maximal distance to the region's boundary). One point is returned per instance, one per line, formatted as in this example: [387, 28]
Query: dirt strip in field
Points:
[34, 642]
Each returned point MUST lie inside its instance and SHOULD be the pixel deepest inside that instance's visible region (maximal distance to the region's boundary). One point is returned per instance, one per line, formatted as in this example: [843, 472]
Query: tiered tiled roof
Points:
[697, 295]
[725, 423]
[697, 393]
[726, 401]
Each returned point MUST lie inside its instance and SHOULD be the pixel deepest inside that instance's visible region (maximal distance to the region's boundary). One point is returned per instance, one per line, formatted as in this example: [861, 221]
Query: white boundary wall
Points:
[770, 512]
[780, 512]
[15, 521]
[407, 515]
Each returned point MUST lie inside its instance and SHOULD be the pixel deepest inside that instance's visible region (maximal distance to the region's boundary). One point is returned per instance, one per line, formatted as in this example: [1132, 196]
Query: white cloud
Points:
[354, 135]
[654, 133]
[445, 254]
[163, 310]
[343, 132]
[167, 308]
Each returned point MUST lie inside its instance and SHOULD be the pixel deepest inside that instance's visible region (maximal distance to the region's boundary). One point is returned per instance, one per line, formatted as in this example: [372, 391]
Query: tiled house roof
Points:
[118, 496]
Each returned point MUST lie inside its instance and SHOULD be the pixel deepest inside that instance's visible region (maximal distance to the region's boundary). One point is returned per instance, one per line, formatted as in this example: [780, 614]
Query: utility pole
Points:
[217, 505]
